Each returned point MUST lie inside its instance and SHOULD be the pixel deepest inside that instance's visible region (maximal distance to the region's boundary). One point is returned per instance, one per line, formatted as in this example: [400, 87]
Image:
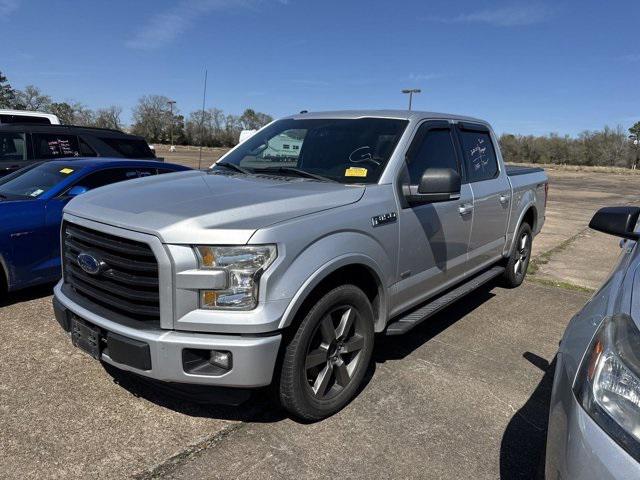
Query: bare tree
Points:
[608, 146]
[150, 118]
[109, 117]
[31, 98]
[252, 120]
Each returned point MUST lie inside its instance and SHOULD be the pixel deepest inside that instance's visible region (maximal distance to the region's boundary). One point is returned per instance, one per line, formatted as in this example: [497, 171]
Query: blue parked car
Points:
[31, 203]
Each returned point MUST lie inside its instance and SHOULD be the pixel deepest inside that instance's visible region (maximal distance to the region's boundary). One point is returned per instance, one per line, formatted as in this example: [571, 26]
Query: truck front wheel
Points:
[327, 358]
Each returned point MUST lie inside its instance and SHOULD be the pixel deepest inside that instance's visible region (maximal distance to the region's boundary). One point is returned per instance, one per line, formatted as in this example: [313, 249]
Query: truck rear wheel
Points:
[327, 358]
[518, 262]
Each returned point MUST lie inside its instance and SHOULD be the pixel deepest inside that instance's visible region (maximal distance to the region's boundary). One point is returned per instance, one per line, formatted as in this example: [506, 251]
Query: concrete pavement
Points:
[463, 396]
[460, 397]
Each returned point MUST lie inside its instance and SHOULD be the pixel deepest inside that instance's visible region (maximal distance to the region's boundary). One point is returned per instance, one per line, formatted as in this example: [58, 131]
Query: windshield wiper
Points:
[297, 171]
[233, 166]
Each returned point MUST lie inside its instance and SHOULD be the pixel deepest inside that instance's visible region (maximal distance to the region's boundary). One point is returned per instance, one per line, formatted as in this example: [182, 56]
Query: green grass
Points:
[545, 257]
[559, 284]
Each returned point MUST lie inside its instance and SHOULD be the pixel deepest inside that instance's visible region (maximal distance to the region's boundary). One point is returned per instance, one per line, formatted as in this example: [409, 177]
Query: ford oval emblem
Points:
[89, 263]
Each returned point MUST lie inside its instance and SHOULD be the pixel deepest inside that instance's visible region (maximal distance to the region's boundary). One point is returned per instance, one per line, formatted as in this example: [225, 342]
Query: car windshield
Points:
[12, 147]
[343, 150]
[34, 181]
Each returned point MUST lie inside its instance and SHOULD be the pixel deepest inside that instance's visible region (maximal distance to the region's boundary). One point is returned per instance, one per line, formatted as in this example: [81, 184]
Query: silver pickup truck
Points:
[279, 264]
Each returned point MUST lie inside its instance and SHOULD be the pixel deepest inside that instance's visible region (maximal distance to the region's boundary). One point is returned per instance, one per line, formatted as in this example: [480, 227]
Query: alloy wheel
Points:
[333, 354]
[523, 252]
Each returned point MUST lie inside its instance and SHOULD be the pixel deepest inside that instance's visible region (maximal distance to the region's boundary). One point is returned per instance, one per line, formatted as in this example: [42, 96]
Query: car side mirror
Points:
[436, 185]
[75, 191]
[618, 221]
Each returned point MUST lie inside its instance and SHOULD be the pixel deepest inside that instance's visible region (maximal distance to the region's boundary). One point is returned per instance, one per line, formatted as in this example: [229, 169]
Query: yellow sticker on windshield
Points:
[355, 172]
[66, 171]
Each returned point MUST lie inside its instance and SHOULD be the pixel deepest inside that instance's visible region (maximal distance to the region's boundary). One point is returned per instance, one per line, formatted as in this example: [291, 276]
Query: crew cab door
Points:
[434, 237]
[491, 193]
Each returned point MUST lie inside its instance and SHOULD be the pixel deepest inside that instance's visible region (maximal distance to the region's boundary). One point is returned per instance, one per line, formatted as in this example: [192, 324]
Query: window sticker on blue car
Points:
[66, 170]
[36, 192]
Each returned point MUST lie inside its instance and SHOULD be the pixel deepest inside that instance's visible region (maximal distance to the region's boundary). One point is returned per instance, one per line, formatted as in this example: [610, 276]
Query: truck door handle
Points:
[504, 199]
[465, 209]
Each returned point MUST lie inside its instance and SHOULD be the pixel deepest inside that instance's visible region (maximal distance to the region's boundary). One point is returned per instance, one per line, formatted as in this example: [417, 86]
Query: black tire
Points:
[326, 360]
[4, 290]
[518, 262]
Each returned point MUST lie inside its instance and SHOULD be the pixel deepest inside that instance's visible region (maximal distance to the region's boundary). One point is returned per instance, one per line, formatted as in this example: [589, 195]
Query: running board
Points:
[405, 323]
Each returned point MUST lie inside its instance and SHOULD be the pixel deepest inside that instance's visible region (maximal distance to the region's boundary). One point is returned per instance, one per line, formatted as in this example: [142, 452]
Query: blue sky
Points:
[527, 67]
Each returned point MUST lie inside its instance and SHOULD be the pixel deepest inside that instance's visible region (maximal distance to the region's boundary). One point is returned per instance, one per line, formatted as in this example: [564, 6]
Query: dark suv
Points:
[23, 144]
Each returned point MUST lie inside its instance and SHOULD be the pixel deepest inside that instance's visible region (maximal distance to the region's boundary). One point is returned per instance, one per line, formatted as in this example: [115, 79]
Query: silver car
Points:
[594, 419]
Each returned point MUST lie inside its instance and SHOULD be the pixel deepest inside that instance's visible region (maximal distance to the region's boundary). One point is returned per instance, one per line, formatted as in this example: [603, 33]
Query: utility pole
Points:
[171, 104]
[204, 98]
[411, 91]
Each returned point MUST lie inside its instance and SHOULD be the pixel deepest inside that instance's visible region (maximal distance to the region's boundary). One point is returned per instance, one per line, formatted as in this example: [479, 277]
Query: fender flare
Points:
[327, 269]
[530, 205]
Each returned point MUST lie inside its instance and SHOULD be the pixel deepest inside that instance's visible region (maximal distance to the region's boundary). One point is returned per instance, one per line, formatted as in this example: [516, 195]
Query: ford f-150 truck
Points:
[279, 264]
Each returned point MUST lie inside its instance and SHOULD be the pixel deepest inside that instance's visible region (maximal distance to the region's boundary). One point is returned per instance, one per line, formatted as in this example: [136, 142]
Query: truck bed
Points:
[514, 170]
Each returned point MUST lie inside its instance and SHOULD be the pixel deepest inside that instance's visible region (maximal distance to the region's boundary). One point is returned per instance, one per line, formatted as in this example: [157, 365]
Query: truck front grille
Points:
[125, 277]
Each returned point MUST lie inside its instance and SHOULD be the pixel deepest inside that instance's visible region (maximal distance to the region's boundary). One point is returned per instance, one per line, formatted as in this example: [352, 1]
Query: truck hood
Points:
[214, 208]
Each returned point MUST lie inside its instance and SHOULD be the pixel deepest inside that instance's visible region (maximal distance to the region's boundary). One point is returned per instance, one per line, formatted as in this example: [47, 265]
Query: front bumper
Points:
[254, 357]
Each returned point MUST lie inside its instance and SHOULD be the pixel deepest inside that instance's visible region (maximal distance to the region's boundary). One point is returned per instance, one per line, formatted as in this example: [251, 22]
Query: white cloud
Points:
[423, 77]
[7, 7]
[510, 16]
[164, 27]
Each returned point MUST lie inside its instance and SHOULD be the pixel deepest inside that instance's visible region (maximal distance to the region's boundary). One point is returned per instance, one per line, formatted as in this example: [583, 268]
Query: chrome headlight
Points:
[608, 382]
[243, 266]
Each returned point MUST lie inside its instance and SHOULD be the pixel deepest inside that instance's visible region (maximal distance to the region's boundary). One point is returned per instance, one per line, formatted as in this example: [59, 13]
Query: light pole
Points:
[636, 143]
[411, 91]
[171, 104]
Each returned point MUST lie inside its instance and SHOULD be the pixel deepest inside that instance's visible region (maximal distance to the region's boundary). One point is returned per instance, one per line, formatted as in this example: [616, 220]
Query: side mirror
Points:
[77, 190]
[436, 185]
[618, 221]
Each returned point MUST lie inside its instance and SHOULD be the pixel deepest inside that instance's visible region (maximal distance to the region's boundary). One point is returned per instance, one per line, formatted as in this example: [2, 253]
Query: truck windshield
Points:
[347, 151]
[34, 180]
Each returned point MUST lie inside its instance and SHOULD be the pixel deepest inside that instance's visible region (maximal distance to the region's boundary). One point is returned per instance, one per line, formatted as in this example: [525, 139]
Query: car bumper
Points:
[253, 357]
[577, 448]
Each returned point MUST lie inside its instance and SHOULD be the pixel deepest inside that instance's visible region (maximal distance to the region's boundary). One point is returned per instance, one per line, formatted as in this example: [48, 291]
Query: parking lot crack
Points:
[174, 462]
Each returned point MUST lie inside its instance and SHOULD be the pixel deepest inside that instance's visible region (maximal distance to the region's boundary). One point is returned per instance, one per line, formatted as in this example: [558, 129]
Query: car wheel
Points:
[518, 262]
[327, 358]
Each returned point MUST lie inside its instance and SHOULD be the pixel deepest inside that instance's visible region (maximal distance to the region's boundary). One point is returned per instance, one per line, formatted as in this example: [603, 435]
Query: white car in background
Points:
[24, 116]
[245, 134]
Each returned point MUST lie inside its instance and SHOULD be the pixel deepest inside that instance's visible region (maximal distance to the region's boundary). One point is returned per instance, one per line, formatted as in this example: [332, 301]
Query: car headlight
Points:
[243, 266]
[608, 382]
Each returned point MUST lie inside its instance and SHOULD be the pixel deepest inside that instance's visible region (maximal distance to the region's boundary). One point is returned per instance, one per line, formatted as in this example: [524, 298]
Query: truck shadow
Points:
[398, 347]
[522, 449]
[201, 401]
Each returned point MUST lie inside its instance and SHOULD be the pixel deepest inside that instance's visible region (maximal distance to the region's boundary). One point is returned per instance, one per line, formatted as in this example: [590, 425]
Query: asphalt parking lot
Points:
[463, 396]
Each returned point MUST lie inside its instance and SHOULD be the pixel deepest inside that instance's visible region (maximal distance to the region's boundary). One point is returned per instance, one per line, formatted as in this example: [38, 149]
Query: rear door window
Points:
[12, 147]
[53, 145]
[479, 155]
[129, 148]
[85, 149]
